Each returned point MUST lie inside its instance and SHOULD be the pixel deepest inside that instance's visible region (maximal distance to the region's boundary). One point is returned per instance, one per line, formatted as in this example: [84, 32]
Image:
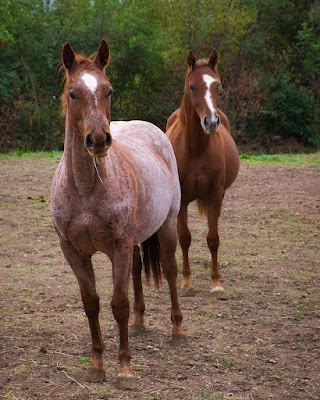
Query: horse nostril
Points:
[218, 120]
[89, 142]
[108, 140]
[206, 121]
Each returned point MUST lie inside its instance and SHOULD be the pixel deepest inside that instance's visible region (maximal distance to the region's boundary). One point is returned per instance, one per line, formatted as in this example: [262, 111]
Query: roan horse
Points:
[207, 158]
[116, 186]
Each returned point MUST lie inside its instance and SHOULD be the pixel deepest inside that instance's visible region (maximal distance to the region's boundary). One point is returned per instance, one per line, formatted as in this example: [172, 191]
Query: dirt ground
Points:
[262, 343]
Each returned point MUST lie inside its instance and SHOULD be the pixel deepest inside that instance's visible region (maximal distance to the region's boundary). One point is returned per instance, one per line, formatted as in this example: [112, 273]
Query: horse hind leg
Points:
[213, 242]
[137, 326]
[185, 242]
[167, 235]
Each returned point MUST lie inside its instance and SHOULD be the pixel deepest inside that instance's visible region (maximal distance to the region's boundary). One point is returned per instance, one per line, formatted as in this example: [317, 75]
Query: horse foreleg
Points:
[137, 325]
[213, 213]
[185, 241]
[121, 269]
[82, 268]
[167, 235]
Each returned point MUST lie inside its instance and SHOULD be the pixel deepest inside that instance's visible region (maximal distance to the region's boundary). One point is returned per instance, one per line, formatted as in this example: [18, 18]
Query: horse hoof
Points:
[187, 292]
[95, 375]
[178, 339]
[126, 382]
[219, 293]
[137, 330]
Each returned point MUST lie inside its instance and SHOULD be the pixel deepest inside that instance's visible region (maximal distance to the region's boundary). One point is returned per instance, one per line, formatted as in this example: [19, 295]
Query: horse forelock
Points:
[203, 62]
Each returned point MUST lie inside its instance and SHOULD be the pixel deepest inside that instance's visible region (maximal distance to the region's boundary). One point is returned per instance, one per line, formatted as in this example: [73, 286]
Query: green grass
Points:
[207, 395]
[85, 360]
[227, 364]
[312, 159]
[38, 154]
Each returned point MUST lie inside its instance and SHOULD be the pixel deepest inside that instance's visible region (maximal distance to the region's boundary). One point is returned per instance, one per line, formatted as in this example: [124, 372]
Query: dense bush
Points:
[292, 111]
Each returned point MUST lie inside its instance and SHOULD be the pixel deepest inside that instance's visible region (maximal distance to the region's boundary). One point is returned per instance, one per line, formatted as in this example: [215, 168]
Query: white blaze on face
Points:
[208, 80]
[90, 81]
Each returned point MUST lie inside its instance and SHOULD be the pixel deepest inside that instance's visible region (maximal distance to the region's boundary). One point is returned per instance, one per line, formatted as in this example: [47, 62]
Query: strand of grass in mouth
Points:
[95, 165]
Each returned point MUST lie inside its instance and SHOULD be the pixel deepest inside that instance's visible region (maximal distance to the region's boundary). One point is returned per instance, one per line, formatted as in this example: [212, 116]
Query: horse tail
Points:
[202, 208]
[151, 259]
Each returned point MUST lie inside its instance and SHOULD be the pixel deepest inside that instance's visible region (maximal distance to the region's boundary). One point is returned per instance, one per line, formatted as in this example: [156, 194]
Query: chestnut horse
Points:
[116, 187]
[207, 158]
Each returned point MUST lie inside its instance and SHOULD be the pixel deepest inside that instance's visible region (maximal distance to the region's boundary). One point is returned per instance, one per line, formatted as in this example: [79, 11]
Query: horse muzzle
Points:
[98, 144]
[211, 125]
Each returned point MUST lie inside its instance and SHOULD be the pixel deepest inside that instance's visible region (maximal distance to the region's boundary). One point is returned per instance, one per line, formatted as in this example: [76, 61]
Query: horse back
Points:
[147, 155]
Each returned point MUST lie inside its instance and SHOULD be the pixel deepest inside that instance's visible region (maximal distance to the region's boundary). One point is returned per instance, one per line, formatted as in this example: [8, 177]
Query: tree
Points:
[281, 49]
[269, 49]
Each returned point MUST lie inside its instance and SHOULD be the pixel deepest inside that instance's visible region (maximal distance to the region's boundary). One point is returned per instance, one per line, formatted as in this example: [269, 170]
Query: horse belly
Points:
[159, 202]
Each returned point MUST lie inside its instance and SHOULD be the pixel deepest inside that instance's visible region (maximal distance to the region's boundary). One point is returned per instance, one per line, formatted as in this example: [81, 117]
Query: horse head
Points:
[203, 84]
[87, 98]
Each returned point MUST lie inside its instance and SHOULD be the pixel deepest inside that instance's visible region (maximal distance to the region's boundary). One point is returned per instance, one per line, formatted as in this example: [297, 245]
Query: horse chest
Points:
[88, 227]
[90, 232]
[198, 180]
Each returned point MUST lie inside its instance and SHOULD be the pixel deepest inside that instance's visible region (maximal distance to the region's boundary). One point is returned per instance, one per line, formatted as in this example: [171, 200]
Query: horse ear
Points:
[191, 59]
[103, 54]
[214, 59]
[68, 56]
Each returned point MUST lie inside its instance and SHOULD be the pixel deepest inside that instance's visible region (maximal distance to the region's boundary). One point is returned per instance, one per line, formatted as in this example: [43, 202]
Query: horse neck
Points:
[79, 167]
[195, 138]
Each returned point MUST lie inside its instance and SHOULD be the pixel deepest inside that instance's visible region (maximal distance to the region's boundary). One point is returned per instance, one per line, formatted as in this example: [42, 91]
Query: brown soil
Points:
[262, 343]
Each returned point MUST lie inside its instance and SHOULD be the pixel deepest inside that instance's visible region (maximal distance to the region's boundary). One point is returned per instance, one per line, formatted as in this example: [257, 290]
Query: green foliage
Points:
[5, 21]
[291, 111]
[137, 67]
[308, 44]
[283, 51]
[270, 61]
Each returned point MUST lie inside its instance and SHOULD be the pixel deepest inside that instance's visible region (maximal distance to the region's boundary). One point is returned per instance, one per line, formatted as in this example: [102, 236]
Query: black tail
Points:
[151, 259]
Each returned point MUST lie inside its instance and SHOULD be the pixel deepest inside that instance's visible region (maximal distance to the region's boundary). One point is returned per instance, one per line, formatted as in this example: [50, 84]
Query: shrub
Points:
[292, 111]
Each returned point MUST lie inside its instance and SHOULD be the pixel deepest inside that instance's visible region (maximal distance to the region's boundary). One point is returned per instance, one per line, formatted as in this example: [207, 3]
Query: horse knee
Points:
[185, 240]
[92, 306]
[120, 308]
[213, 243]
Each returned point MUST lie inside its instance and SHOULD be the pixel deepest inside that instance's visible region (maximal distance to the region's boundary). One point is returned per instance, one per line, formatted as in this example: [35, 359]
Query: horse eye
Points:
[192, 88]
[109, 93]
[72, 95]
